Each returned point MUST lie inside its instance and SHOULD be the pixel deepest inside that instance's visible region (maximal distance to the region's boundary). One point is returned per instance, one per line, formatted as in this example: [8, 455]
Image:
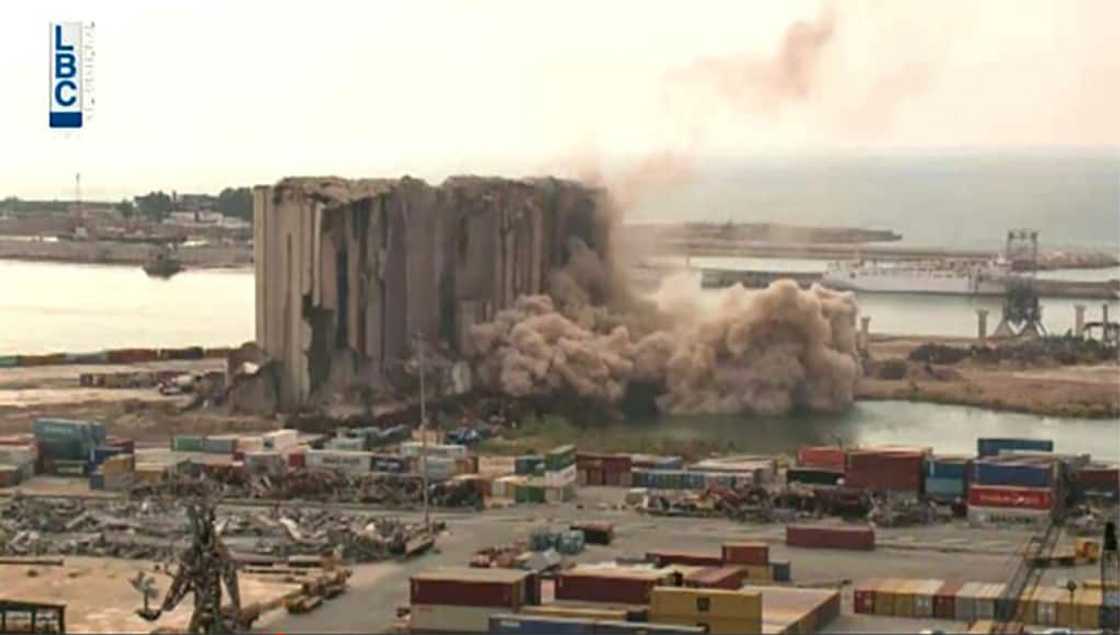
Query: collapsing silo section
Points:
[347, 271]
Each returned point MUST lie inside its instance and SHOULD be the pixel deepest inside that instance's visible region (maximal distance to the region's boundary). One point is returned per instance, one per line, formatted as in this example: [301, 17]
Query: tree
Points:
[125, 208]
[154, 205]
[236, 202]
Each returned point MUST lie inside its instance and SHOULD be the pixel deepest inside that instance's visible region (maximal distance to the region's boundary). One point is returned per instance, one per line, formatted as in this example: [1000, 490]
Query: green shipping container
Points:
[528, 494]
[186, 443]
[560, 458]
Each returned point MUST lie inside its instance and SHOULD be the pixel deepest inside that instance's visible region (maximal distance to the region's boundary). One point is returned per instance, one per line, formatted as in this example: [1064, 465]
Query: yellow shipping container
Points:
[118, 464]
[904, 598]
[1065, 615]
[714, 625]
[1087, 603]
[707, 603]
[885, 596]
[759, 572]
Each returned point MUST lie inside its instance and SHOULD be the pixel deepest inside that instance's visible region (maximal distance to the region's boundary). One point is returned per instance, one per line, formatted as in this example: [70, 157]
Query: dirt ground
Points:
[1048, 389]
[100, 598]
[140, 413]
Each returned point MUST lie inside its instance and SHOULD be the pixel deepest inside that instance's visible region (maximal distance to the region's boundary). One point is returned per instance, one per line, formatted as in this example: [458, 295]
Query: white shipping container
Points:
[455, 619]
[559, 478]
[414, 448]
[265, 461]
[339, 460]
[503, 487]
[280, 439]
[997, 516]
[438, 467]
[16, 454]
[559, 493]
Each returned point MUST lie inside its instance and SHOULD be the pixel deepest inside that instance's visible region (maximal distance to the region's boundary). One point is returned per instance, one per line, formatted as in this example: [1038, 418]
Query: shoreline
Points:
[237, 256]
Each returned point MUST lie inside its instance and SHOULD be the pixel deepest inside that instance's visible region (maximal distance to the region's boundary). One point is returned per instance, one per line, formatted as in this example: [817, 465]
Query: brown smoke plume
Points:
[755, 352]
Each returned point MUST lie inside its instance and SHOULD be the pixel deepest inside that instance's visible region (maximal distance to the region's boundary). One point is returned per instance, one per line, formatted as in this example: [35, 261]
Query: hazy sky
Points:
[195, 96]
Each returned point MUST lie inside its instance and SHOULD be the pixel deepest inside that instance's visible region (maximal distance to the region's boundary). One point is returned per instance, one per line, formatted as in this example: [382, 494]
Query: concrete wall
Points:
[350, 270]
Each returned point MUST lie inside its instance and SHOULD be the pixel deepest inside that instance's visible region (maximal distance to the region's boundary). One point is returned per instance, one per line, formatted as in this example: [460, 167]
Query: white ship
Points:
[940, 276]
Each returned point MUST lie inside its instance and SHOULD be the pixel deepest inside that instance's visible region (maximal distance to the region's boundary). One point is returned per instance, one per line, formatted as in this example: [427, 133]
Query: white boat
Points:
[941, 276]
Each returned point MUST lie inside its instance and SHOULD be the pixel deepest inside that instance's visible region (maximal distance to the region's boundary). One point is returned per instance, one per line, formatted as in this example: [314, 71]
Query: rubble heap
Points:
[155, 529]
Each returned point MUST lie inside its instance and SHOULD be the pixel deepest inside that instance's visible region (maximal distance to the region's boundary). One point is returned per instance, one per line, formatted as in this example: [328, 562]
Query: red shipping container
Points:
[1007, 496]
[665, 558]
[297, 459]
[756, 553]
[730, 578]
[885, 470]
[470, 587]
[605, 586]
[945, 601]
[1103, 477]
[863, 598]
[827, 456]
[860, 538]
[595, 477]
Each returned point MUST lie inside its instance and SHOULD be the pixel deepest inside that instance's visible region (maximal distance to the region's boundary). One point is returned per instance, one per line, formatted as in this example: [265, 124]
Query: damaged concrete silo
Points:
[348, 270]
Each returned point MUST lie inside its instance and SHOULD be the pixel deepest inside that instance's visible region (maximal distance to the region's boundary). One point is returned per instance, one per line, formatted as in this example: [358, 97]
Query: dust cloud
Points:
[770, 351]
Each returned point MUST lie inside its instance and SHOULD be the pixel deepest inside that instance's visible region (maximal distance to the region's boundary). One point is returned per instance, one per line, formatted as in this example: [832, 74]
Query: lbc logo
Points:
[66, 75]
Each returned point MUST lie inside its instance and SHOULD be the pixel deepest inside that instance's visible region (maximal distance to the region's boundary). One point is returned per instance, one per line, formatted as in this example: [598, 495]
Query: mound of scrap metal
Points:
[157, 529]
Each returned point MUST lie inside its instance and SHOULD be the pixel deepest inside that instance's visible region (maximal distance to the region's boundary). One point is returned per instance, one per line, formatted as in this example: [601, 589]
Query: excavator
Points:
[202, 570]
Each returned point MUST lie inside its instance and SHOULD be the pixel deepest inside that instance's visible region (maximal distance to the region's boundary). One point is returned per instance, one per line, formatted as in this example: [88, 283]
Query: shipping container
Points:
[1097, 481]
[186, 443]
[830, 537]
[885, 595]
[666, 557]
[1013, 472]
[220, 444]
[464, 586]
[349, 462]
[814, 476]
[944, 598]
[949, 467]
[980, 516]
[704, 603]
[655, 462]
[455, 618]
[539, 625]
[578, 611]
[726, 577]
[596, 533]
[829, 457]
[993, 446]
[565, 476]
[608, 584]
[885, 470]
[560, 458]
[1014, 497]
[904, 598]
[1087, 608]
[924, 593]
[527, 464]
[649, 628]
[781, 570]
[945, 488]
[863, 596]
[280, 439]
[10, 475]
[746, 553]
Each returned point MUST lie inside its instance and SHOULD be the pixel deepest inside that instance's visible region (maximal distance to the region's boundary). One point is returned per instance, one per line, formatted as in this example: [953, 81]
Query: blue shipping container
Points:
[945, 488]
[533, 624]
[781, 570]
[1012, 473]
[643, 628]
[947, 468]
[991, 447]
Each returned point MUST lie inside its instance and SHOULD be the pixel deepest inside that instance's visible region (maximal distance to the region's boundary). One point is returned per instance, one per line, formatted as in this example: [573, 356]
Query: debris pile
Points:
[154, 530]
[401, 491]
